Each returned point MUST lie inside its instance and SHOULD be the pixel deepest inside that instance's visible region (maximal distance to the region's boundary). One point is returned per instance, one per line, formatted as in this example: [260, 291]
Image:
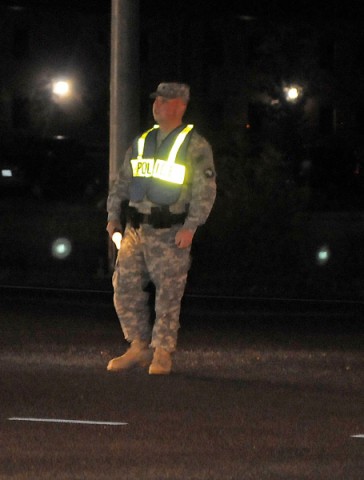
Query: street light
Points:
[61, 88]
[292, 93]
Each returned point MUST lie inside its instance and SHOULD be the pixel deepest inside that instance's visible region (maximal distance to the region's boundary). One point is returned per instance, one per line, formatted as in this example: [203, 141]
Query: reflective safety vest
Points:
[159, 174]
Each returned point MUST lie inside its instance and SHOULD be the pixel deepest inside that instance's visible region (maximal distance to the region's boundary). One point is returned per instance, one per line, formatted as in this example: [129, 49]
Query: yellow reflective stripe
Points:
[141, 140]
[170, 172]
[166, 170]
[178, 142]
[142, 167]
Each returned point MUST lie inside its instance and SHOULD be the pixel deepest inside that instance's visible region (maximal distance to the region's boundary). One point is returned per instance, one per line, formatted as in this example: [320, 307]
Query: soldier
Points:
[168, 181]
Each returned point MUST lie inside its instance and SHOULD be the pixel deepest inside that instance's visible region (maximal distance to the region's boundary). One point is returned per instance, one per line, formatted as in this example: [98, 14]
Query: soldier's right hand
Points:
[112, 226]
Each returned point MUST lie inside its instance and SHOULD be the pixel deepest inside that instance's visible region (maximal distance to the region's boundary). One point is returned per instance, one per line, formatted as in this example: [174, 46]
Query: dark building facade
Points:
[41, 45]
[238, 65]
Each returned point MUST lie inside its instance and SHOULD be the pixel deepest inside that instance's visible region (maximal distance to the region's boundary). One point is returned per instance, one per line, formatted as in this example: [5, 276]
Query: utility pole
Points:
[124, 80]
[124, 87]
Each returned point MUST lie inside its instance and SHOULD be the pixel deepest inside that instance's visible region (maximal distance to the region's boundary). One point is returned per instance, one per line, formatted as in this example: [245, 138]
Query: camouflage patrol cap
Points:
[172, 90]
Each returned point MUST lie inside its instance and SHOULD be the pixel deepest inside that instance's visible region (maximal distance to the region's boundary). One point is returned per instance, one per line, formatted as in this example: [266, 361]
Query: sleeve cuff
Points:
[190, 225]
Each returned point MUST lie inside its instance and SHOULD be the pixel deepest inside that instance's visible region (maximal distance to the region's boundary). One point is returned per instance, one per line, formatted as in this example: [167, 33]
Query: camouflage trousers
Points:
[150, 255]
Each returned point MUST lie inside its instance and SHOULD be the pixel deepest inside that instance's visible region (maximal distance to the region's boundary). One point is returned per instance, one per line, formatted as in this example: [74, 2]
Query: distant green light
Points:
[61, 248]
[323, 255]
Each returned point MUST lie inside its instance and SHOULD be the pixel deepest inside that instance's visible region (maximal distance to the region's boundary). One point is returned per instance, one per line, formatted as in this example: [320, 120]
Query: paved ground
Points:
[259, 391]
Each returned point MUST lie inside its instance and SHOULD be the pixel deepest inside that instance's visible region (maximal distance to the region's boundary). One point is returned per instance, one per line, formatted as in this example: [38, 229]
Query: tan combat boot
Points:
[162, 362]
[137, 355]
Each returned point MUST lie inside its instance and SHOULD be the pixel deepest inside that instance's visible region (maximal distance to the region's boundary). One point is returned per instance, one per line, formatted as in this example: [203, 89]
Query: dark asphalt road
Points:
[260, 390]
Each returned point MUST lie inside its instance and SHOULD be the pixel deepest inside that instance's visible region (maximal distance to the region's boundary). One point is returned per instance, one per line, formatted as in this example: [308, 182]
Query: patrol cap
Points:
[172, 90]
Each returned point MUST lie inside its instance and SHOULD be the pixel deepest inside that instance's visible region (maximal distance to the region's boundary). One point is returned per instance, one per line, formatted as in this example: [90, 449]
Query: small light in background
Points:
[292, 93]
[16, 8]
[61, 88]
[61, 248]
[6, 173]
[323, 255]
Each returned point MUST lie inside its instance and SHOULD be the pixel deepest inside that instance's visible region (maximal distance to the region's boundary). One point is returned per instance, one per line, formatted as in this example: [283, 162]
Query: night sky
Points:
[316, 10]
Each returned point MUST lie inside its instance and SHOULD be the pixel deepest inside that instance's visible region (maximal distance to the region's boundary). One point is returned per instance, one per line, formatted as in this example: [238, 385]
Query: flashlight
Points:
[116, 238]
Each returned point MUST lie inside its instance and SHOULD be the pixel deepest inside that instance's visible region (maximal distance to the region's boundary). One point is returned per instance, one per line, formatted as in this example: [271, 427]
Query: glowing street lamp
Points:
[292, 93]
[61, 88]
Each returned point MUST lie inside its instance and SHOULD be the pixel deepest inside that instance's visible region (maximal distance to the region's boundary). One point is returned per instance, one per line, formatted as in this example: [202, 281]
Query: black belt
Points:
[172, 218]
[158, 218]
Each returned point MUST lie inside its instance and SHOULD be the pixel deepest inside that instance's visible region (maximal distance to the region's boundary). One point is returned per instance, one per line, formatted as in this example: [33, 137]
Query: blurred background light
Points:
[61, 248]
[61, 88]
[323, 255]
[292, 93]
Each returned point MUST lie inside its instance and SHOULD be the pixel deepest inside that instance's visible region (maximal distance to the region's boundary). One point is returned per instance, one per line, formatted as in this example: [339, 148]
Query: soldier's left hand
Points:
[184, 238]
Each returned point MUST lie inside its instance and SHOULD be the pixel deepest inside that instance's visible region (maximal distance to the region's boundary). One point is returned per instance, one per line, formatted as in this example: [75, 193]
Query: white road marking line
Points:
[59, 420]
[361, 435]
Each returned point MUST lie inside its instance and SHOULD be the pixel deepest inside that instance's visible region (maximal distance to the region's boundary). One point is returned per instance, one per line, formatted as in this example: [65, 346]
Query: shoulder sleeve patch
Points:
[209, 173]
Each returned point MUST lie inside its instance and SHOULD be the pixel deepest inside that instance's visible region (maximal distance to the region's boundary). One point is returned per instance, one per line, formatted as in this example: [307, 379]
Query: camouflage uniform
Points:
[149, 254]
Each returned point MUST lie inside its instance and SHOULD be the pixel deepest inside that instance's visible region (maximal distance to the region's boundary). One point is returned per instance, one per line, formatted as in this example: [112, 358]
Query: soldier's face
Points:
[168, 109]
